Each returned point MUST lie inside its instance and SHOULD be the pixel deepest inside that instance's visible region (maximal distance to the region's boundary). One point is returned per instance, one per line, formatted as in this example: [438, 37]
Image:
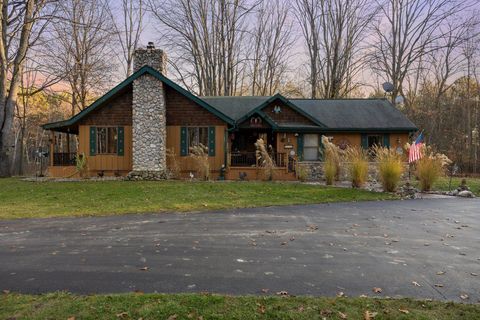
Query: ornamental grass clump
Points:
[173, 165]
[264, 160]
[390, 167]
[332, 158]
[199, 153]
[81, 164]
[430, 168]
[357, 160]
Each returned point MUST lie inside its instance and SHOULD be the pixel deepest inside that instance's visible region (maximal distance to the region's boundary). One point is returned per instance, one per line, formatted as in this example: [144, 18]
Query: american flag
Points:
[415, 152]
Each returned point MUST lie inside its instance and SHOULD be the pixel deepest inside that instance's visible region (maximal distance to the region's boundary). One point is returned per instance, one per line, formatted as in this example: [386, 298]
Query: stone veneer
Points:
[149, 131]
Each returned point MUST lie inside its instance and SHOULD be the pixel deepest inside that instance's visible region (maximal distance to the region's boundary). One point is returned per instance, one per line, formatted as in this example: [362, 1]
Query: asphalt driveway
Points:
[417, 248]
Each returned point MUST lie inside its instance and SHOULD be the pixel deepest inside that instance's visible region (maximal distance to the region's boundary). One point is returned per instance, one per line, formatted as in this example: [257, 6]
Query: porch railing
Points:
[249, 159]
[64, 159]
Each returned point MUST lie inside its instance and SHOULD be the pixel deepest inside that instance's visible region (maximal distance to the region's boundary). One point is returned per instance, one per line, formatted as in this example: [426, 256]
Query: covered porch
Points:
[62, 154]
[242, 161]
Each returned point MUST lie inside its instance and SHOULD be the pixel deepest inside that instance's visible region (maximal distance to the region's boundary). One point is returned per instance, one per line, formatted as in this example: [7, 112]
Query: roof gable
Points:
[144, 70]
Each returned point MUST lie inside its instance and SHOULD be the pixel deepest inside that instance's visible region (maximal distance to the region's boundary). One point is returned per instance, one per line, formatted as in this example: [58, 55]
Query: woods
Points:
[59, 56]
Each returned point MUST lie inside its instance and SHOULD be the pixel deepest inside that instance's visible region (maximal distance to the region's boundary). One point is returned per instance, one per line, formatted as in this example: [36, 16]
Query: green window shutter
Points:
[121, 141]
[386, 140]
[183, 142]
[364, 141]
[211, 141]
[93, 141]
[300, 146]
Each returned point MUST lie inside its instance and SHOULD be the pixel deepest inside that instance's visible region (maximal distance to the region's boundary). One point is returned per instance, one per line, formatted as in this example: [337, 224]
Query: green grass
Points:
[206, 306]
[472, 183]
[24, 199]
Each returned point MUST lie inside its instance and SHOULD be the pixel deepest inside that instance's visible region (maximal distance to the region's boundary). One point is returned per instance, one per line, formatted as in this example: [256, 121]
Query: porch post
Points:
[52, 146]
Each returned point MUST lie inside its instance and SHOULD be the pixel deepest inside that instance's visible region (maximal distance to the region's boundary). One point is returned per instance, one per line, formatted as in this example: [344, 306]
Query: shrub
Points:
[264, 160]
[357, 159]
[428, 171]
[199, 154]
[330, 169]
[390, 167]
[173, 165]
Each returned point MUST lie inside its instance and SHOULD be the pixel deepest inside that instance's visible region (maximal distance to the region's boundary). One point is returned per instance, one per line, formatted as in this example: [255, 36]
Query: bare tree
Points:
[128, 29]
[205, 38]
[406, 32]
[334, 31]
[21, 24]
[85, 38]
[271, 46]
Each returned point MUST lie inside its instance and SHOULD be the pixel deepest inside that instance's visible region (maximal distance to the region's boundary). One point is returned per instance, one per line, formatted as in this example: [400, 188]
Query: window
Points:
[107, 140]
[310, 147]
[375, 140]
[196, 136]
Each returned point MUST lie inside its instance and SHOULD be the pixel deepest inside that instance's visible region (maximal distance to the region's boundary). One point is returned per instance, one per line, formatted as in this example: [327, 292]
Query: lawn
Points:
[473, 184]
[24, 199]
[207, 306]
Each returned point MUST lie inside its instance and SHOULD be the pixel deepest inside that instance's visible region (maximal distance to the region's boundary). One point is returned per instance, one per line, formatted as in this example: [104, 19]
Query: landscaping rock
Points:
[466, 194]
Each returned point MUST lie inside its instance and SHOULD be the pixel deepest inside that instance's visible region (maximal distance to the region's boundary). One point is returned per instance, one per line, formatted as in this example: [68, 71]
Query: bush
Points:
[357, 160]
[330, 169]
[390, 167]
[200, 156]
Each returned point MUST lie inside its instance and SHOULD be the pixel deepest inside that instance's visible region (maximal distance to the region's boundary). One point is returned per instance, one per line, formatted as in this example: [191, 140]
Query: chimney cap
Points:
[150, 45]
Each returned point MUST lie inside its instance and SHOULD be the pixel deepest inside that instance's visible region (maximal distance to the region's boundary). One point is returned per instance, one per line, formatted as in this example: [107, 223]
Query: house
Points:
[129, 129]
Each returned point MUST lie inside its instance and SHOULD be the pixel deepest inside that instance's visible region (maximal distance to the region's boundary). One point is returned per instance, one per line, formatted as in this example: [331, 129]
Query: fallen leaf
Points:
[368, 315]
[284, 243]
[172, 317]
[292, 238]
[363, 296]
[265, 290]
[416, 284]
[474, 274]
[144, 269]
[464, 296]
[377, 290]
[341, 294]
[300, 309]
[6, 291]
[122, 314]
[71, 318]
[439, 273]
[282, 293]
[438, 285]
[404, 311]
[342, 315]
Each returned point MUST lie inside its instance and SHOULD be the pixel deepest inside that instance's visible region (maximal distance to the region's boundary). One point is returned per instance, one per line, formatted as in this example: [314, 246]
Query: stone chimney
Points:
[149, 129]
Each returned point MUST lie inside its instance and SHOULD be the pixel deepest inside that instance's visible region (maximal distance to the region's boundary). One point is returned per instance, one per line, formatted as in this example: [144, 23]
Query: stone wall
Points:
[315, 171]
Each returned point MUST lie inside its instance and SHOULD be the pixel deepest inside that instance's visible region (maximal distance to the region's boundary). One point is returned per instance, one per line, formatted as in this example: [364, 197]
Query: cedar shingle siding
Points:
[184, 112]
[116, 112]
[286, 115]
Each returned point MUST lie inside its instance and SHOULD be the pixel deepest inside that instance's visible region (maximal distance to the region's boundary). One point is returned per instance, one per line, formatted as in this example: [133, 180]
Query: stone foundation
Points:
[315, 171]
[146, 175]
